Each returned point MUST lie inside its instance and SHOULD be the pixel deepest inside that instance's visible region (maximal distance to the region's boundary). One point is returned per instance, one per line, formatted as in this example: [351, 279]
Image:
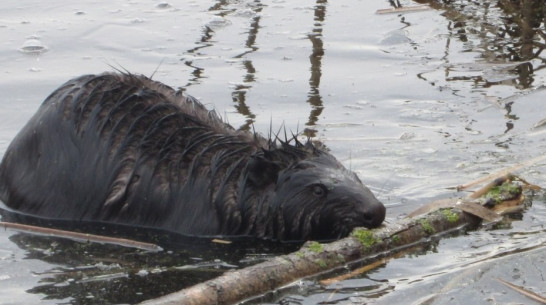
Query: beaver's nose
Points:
[374, 214]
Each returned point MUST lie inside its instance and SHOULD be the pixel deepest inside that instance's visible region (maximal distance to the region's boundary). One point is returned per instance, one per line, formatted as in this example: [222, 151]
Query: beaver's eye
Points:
[319, 190]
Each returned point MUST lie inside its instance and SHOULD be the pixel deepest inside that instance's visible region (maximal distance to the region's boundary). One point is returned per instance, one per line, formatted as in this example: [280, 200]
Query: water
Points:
[414, 103]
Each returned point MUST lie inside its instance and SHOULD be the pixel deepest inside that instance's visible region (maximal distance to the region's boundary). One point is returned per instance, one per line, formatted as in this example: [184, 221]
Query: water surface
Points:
[415, 103]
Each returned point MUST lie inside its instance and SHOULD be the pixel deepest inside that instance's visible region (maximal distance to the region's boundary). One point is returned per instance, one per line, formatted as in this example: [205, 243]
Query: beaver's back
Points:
[124, 148]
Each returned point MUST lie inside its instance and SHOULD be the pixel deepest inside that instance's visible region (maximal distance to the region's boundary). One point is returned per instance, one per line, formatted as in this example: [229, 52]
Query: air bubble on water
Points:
[350, 106]
[245, 13]
[163, 5]
[33, 45]
[218, 22]
[429, 150]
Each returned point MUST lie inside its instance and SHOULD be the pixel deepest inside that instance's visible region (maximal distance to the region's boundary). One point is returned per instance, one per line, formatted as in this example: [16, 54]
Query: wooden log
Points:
[238, 285]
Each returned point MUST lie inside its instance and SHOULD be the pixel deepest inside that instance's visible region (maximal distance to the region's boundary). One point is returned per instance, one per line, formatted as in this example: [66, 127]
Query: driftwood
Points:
[314, 258]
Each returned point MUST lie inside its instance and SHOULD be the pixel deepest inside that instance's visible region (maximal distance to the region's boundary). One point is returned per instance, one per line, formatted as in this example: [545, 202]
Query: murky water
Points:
[414, 103]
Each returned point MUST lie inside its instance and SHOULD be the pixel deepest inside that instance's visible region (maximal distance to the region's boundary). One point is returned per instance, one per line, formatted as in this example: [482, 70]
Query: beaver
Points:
[122, 148]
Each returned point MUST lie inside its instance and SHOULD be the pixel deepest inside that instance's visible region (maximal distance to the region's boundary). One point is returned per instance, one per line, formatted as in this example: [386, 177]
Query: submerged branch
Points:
[81, 236]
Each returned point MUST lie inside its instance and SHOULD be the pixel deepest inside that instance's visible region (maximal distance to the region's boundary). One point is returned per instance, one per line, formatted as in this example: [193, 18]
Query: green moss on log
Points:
[316, 247]
[426, 226]
[450, 215]
[365, 237]
[503, 191]
[322, 264]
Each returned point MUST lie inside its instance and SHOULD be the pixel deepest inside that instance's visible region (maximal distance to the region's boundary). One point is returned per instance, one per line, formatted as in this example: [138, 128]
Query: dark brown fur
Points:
[122, 148]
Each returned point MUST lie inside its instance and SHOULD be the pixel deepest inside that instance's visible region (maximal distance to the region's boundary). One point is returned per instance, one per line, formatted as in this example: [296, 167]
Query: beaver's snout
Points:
[373, 214]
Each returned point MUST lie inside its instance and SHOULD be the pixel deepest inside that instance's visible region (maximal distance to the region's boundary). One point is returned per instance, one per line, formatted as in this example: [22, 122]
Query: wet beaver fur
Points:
[122, 148]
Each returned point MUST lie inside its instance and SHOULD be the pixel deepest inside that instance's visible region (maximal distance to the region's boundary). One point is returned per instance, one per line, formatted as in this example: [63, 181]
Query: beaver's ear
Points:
[262, 171]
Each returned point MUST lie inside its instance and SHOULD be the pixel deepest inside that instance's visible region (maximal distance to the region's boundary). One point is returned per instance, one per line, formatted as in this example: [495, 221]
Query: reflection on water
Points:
[239, 93]
[94, 273]
[194, 52]
[314, 97]
[503, 32]
[221, 10]
[100, 274]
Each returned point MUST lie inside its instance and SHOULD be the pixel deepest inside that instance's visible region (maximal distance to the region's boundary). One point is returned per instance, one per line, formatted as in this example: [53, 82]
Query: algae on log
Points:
[238, 285]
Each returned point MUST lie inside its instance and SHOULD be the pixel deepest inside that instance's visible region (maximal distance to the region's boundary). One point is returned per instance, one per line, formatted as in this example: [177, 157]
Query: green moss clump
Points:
[513, 189]
[450, 215]
[426, 226]
[505, 191]
[300, 254]
[365, 237]
[494, 194]
[395, 239]
[316, 247]
[322, 264]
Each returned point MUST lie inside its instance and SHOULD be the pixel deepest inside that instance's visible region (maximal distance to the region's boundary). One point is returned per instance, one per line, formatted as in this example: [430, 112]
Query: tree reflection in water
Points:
[503, 31]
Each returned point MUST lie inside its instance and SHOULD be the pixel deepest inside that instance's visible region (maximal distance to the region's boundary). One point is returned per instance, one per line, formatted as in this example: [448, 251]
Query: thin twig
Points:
[485, 189]
[366, 268]
[404, 9]
[524, 291]
[355, 272]
[502, 172]
[81, 236]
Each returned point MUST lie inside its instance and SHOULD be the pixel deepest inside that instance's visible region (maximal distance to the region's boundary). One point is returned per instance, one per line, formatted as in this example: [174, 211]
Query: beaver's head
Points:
[316, 198]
